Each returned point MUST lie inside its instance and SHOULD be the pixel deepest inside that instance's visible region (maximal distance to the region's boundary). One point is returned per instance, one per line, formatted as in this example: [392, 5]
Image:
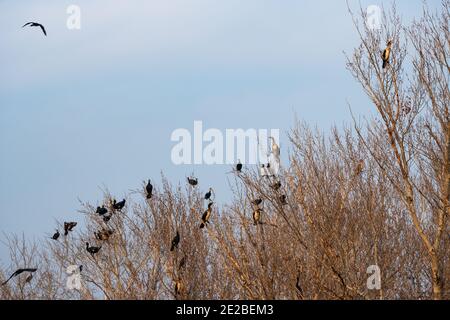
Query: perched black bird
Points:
[257, 202]
[192, 181]
[209, 194]
[385, 56]
[118, 205]
[106, 218]
[175, 241]
[101, 210]
[206, 216]
[92, 250]
[68, 226]
[182, 263]
[239, 166]
[283, 199]
[56, 235]
[35, 24]
[103, 234]
[297, 285]
[276, 185]
[257, 216]
[20, 271]
[149, 189]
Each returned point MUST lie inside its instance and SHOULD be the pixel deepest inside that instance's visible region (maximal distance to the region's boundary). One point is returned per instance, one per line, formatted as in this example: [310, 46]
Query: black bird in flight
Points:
[35, 24]
[206, 216]
[101, 210]
[56, 235]
[118, 205]
[68, 226]
[175, 242]
[19, 271]
[92, 250]
[192, 181]
[149, 189]
[385, 56]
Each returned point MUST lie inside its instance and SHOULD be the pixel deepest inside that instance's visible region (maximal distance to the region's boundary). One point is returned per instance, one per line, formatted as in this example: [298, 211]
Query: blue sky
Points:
[83, 109]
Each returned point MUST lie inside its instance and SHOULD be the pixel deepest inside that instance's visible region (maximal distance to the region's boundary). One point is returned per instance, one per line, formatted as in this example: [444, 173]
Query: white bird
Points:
[275, 148]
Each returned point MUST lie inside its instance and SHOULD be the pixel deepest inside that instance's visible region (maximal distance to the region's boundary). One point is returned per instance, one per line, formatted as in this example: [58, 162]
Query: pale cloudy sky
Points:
[96, 107]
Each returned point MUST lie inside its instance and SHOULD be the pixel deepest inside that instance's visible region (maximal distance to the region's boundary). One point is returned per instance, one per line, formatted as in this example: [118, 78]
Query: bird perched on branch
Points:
[103, 234]
[192, 181]
[276, 185]
[106, 218]
[35, 24]
[68, 226]
[239, 166]
[257, 202]
[118, 205]
[385, 56]
[56, 235]
[209, 194]
[283, 200]
[257, 216]
[92, 250]
[149, 189]
[101, 211]
[206, 216]
[18, 272]
[178, 287]
[175, 241]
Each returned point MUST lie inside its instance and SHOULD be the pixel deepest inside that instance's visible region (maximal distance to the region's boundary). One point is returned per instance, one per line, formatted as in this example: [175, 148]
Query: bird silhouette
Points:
[56, 235]
[192, 181]
[35, 24]
[206, 216]
[19, 271]
[101, 210]
[149, 189]
[385, 56]
[209, 194]
[68, 226]
[257, 202]
[239, 166]
[175, 241]
[118, 205]
[92, 250]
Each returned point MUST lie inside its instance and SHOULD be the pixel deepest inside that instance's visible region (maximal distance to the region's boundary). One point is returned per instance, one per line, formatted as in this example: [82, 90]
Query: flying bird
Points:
[101, 210]
[206, 216]
[175, 242]
[118, 205]
[35, 24]
[56, 235]
[68, 226]
[92, 250]
[149, 189]
[192, 181]
[385, 56]
[20, 271]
